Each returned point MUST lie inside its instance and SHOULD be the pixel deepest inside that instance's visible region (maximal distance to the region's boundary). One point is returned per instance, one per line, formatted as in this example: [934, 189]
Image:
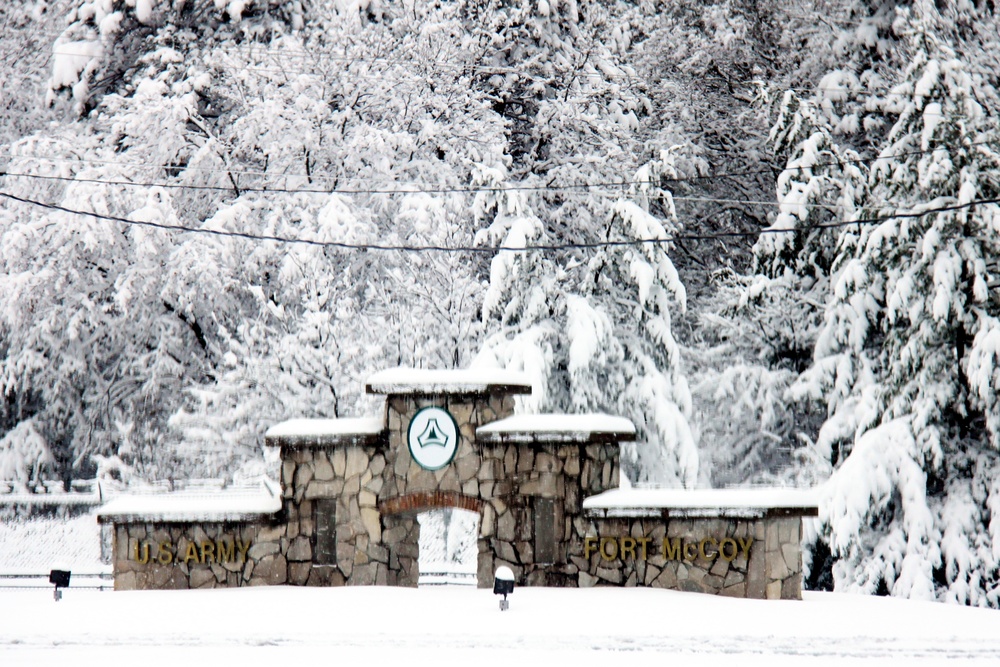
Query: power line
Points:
[492, 249]
[437, 190]
[325, 191]
[368, 191]
[466, 190]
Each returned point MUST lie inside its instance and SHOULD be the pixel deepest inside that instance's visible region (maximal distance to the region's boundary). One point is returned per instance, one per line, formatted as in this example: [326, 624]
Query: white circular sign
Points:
[432, 438]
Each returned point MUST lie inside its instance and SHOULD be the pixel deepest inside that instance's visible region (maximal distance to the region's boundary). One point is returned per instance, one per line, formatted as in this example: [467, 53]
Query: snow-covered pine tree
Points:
[596, 337]
[907, 358]
[821, 184]
[766, 324]
[526, 293]
[633, 288]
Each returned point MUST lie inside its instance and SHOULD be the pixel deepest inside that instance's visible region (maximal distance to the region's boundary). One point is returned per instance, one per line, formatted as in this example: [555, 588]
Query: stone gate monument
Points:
[546, 488]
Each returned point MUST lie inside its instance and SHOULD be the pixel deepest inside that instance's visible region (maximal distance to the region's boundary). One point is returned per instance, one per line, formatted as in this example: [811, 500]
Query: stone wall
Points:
[195, 555]
[376, 490]
[349, 506]
[339, 487]
[538, 491]
[716, 562]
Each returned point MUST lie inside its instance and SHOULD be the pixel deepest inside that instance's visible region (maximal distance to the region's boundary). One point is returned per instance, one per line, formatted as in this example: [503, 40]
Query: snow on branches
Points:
[104, 38]
[25, 457]
[597, 336]
[906, 358]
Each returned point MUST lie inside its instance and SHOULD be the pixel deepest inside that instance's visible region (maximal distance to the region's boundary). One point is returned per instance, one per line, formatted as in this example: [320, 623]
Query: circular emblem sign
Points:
[432, 438]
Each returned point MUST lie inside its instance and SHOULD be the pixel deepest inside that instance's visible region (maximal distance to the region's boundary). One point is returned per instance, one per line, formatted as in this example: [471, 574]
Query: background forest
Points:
[767, 232]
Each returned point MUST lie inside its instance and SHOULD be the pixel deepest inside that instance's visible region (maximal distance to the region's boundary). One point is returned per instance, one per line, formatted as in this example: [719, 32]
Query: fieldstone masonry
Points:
[351, 491]
[770, 567]
[171, 556]
[376, 490]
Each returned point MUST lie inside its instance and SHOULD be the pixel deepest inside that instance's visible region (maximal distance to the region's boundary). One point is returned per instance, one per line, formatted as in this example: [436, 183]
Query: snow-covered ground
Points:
[447, 625]
[460, 625]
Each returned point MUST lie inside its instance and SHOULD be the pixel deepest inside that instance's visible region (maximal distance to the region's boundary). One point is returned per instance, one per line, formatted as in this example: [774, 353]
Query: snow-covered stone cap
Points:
[723, 503]
[325, 432]
[236, 504]
[422, 381]
[549, 428]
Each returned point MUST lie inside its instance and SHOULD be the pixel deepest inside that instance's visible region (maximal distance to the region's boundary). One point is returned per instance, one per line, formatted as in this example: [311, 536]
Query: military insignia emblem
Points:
[432, 438]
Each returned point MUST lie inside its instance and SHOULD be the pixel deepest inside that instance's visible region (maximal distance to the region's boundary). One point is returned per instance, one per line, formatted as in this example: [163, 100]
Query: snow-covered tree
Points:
[597, 337]
[105, 39]
[762, 332]
[202, 341]
[25, 457]
[906, 359]
[765, 325]
[26, 29]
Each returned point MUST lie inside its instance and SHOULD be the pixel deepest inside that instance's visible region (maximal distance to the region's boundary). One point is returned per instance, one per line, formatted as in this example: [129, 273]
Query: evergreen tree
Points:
[766, 324]
[906, 358]
[597, 337]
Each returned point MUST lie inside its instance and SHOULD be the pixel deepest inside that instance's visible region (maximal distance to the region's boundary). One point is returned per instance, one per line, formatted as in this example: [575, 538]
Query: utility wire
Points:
[398, 191]
[492, 249]
[275, 190]
[442, 190]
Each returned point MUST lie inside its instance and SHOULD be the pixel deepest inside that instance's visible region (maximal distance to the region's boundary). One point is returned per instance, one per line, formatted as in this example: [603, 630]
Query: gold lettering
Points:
[242, 548]
[145, 553]
[690, 551]
[191, 553]
[722, 549]
[672, 548]
[628, 547]
[605, 541]
[166, 553]
[224, 551]
[644, 543]
[745, 546]
[701, 549]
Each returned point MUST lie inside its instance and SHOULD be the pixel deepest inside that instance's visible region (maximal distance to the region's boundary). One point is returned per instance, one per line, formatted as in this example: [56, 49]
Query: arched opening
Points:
[444, 555]
[448, 546]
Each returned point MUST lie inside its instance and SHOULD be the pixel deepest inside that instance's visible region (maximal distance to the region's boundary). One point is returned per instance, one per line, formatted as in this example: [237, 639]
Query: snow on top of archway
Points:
[440, 381]
[326, 427]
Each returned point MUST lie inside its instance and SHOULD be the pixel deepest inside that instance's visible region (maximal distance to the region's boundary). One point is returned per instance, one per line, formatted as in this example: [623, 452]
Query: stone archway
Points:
[401, 529]
[527, 486]
[465, 482]
[352, 488]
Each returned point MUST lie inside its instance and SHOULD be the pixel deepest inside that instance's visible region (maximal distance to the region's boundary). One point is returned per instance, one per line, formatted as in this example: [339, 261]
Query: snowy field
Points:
[460, 625]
